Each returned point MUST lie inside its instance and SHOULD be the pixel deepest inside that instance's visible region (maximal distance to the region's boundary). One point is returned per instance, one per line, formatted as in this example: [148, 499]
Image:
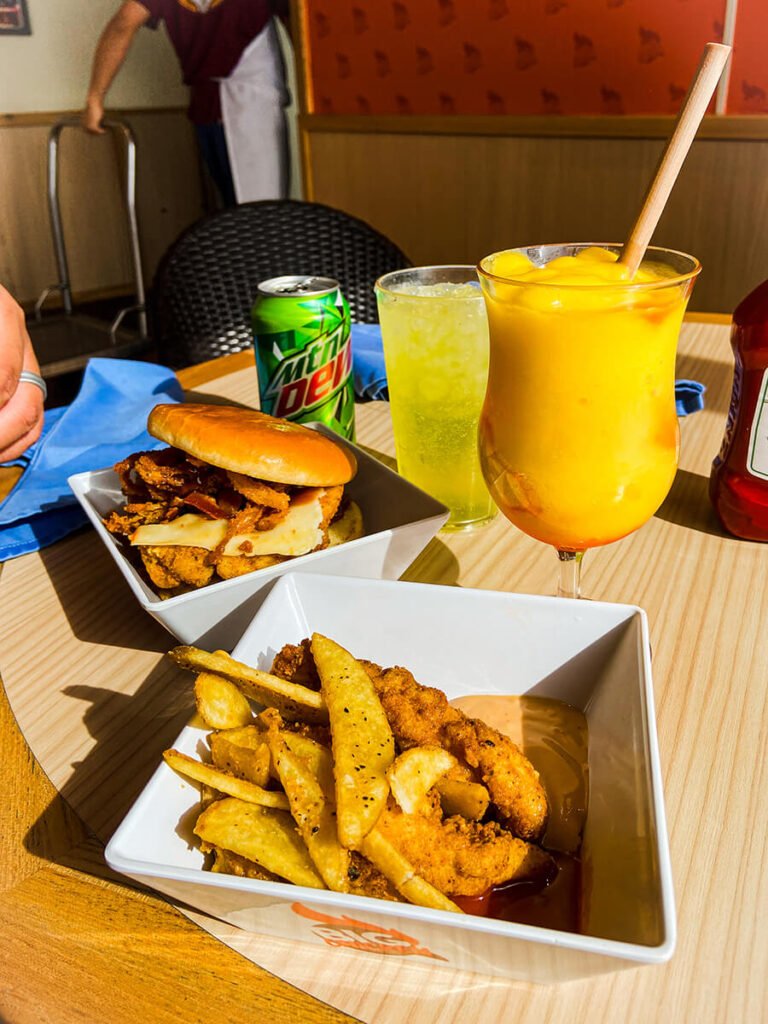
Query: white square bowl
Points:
[399, 521]
[594, 656]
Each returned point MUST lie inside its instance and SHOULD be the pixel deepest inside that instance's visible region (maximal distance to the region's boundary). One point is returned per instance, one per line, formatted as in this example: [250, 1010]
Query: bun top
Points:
[253, 443]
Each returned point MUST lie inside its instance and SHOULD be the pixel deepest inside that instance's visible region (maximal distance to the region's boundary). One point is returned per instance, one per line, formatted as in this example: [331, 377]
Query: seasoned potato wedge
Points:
[223, 782]
[219, 702]
[363, 744]
[414, 773]
[295, 703]
[312, 810]
[469, 799]
[261, 834]
[242, 752]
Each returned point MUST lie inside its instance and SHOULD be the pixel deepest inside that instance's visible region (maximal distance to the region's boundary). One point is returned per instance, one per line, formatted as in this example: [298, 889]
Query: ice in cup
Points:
[578, 434]
[435, 334]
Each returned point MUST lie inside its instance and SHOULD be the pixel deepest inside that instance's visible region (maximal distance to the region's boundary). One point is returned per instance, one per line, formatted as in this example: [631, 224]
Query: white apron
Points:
[253, 99]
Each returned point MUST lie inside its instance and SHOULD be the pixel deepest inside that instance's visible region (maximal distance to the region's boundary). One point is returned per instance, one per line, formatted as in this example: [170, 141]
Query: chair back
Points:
[206, 283]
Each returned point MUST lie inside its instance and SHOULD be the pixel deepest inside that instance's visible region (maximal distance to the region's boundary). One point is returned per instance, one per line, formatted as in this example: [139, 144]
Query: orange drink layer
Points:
[578, 432]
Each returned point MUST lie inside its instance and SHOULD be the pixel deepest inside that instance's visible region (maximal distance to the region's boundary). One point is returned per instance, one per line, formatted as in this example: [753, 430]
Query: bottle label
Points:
[757, 452]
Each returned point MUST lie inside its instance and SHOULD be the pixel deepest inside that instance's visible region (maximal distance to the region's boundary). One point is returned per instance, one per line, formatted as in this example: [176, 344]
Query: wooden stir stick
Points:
[704, 83]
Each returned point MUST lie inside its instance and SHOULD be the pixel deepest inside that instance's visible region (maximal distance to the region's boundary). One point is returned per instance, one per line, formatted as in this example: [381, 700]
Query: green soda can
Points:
[301, 336]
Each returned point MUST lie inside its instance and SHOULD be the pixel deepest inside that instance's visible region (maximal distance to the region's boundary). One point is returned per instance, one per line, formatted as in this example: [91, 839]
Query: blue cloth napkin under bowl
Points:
[371, 376]
[105, 423]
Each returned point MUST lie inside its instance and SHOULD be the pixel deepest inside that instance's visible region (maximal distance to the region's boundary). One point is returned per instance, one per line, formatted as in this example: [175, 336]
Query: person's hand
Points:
[92, 115]
[21, 403]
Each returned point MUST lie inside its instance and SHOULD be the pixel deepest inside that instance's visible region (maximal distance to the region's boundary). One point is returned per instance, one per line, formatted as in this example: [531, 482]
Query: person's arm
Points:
[111, 50]
[21, 405]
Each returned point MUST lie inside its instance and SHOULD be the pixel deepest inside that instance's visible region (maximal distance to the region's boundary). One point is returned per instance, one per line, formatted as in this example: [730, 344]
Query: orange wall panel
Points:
[748, 87]
[506, 56]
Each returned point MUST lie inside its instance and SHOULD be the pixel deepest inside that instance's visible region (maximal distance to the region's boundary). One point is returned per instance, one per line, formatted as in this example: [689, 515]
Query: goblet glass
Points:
[578, 434]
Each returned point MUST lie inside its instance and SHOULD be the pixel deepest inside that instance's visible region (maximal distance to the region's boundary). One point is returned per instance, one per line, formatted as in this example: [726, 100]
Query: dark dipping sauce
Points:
[553, 736]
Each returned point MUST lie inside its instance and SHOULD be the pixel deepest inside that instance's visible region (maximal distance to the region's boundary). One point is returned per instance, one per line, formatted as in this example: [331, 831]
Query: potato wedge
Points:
[414, 773]
[402, 874]
[219, 702]
[318, 758]
[242, 752]
[313, 812]
[362, 741]
[295, 703]
[223, 782]
[469, 799]
[261, 834]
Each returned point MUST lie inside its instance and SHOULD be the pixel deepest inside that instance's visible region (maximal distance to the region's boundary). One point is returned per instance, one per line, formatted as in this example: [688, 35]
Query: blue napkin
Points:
[371, 376]
[689, 396]
[105, 423]
[368, 369]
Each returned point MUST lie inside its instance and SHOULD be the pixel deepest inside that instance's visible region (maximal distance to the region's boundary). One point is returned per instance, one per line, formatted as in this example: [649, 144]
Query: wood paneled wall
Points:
[169, 197]
[448, 195]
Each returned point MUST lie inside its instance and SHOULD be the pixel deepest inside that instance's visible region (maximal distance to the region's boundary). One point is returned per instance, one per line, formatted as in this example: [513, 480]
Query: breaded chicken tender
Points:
[228, 566]
[170, 566]
[295, 663]
[460, 857]
[420, 716]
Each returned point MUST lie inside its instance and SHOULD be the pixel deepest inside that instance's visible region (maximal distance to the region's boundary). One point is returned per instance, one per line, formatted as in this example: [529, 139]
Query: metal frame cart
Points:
[64, 342]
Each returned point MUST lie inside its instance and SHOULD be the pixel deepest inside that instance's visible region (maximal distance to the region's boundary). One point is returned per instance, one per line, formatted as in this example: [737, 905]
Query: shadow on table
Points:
[715, 374]
[436, 564]
[688, 504]
[95, 598]
[130, 733]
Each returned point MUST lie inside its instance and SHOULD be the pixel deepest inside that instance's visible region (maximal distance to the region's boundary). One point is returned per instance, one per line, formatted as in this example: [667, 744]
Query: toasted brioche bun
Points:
[252, 443]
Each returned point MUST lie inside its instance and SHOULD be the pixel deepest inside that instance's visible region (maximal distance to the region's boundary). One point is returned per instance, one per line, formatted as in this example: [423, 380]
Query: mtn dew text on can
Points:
[301, 335]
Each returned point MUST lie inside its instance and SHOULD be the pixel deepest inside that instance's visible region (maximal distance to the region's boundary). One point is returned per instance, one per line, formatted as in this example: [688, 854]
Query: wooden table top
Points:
[89, 703]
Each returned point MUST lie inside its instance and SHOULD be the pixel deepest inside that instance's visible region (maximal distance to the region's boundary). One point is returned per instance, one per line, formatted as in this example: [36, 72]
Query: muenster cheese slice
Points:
[297, 534]
[189, 530]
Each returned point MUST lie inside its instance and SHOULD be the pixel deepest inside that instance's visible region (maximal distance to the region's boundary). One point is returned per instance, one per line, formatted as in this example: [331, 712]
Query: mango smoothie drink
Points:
[578, 433]
[435, 335]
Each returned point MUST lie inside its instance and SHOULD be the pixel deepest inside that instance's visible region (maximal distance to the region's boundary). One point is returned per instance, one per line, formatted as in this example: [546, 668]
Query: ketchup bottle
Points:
[738, 484]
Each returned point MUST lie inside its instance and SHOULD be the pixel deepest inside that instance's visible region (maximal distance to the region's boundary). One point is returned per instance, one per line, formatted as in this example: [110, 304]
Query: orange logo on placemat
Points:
[372, 938]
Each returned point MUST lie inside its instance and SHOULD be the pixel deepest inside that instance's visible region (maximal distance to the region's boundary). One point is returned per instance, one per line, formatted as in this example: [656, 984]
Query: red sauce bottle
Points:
[738, 484]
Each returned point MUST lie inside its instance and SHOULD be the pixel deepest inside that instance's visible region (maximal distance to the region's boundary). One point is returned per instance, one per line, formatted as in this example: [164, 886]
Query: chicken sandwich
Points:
[236, 491]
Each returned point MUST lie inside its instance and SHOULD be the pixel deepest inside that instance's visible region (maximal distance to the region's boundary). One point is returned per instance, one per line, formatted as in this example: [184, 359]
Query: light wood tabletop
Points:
[89, 702]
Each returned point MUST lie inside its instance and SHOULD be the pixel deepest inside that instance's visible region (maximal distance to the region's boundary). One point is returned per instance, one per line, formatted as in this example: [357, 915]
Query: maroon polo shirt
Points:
[209, 44]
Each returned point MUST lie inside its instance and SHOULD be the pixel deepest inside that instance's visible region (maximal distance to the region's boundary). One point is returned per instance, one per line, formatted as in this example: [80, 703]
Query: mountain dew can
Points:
[301, 336]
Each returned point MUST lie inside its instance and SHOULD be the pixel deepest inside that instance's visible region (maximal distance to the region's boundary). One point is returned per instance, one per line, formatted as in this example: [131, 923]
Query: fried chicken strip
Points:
[420, 716]
[173, 565]
[460, 857]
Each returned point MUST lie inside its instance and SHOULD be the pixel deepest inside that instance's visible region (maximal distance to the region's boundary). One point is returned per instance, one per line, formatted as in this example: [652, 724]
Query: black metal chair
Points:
[206, 283]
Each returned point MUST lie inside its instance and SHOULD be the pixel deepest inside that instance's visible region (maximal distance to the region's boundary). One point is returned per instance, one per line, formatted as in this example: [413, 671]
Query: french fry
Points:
[261, 834]
[402, 874]
[363, 744]
[469, 799]
[242, 752]
[219, 702]
[223, 782]
[414, 773]
[312, 810]
[295, 703]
